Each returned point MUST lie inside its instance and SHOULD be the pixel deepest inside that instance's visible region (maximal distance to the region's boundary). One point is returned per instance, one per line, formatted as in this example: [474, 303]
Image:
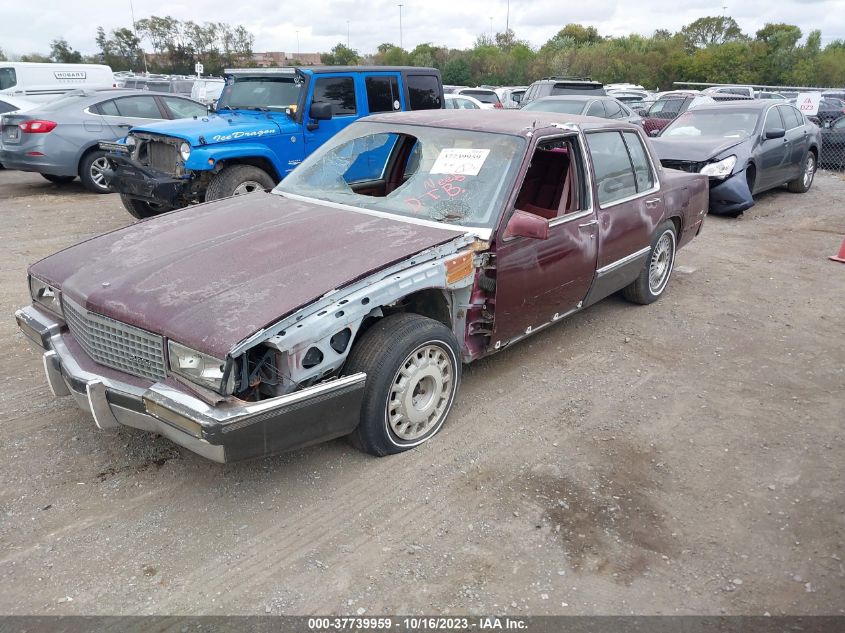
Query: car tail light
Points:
[498, 105]
[37, 126]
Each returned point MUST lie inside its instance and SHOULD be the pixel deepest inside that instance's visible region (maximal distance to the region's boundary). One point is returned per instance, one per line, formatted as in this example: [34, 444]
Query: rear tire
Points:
[413, 372]
[140, 209]
[58, 180]
[238, 180]
[654, 277]
[91, 169]
[804, 181]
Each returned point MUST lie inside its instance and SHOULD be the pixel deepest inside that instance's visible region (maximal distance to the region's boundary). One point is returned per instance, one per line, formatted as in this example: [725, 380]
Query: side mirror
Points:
[523, 224]
[320, 111]
[777, 132]
[653, 132]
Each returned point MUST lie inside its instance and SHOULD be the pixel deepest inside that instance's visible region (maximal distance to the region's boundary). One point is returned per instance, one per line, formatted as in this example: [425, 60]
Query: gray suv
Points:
[556, 86]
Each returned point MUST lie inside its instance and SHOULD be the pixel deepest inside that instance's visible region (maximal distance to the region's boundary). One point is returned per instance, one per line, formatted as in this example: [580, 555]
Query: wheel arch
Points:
[261, 162]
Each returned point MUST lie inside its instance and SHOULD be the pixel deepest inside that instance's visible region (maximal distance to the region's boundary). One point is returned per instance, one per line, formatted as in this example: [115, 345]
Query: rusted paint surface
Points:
[212, 275]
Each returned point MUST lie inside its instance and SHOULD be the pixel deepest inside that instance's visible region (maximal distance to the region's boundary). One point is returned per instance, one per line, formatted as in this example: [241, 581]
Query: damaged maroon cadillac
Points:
[344, 302]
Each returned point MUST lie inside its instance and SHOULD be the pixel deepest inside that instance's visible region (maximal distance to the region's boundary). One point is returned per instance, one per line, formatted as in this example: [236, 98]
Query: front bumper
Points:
[730, 195]
[130, 178]
[229, 431]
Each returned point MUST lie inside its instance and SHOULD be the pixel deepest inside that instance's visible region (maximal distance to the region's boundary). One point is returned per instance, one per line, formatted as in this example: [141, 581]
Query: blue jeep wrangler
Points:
[266, 121]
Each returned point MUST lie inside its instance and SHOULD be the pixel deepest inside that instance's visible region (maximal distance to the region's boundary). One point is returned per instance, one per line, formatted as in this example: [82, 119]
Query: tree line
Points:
[710, 49]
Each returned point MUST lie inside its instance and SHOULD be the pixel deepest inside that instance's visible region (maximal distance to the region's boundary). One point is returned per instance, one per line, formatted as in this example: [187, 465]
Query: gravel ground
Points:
[685, 457]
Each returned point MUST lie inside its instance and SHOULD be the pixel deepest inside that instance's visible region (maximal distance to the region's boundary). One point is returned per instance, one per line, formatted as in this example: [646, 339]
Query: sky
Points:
[323, 23]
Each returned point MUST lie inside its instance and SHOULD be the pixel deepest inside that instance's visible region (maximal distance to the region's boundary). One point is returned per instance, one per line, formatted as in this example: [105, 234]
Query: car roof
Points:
[751, 104]
[518, 123]
[584, 98]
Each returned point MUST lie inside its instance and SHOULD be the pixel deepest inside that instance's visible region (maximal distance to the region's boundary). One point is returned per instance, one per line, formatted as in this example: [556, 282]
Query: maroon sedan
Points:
[346, 301]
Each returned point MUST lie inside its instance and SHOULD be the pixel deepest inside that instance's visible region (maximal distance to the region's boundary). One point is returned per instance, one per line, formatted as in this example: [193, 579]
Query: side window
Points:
[423, 92]
[839, 124]
[549, 188]
[773, 120]
[138, 107]
[108, 108]
[183, 109]
[382, 94]
[639, 159]
[789, 116]
[8, 78]
[596, 109]
[339, 91]
[613, 171]
[614, 110]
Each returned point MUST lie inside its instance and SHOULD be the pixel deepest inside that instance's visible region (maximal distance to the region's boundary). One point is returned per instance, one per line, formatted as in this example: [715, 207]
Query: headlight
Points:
[198, 367]
[131, 141]
[45, 295]
[721, 169]
[185, 151]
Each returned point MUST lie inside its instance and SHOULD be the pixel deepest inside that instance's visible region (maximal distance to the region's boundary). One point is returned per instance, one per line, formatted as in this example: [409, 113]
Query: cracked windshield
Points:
[443, 175]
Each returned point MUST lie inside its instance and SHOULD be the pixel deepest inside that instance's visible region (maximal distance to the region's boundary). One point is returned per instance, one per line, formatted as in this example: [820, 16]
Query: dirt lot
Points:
[685, 457]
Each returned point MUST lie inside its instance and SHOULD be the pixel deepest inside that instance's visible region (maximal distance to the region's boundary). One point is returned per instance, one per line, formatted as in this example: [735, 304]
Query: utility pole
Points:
[491, 28]
[297, 44]
[508, 18]
[347, 34]
[401, 44]
[135, 30]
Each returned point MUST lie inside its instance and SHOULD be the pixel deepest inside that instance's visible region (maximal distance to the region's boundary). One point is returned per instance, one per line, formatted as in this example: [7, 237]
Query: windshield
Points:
[715, 123]
[556, 105]
[441, 175]
[484, 96]
[260, 93]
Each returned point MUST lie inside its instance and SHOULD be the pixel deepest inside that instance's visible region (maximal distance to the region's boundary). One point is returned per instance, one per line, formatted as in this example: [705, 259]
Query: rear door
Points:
[772, 170]
[124, 113]
[798, 140]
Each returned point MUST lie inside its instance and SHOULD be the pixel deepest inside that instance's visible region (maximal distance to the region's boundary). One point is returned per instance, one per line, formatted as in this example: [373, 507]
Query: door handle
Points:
[125, 126]
[652, 203]
[587, 225]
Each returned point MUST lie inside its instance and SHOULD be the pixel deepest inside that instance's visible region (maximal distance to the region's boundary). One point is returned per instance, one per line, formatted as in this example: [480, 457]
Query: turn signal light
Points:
[459, 267]
[37, 126]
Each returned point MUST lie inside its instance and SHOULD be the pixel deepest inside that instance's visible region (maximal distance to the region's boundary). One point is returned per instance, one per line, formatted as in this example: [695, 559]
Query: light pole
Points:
[401, 45]
[491, 28]
[347, 34]
[508, 18]
[135, 31]
[297, 44]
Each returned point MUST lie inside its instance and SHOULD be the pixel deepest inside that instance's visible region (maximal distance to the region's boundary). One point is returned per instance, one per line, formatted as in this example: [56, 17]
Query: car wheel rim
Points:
[421, 392]
[660, 266]
[247, 187]
[98, 168]
[809, 171]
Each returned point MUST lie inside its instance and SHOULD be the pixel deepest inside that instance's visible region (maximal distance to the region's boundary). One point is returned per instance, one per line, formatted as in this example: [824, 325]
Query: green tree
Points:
[391, 55]
[457, 72]
[121, 49]
[35, 57]
[340, 55]
[2, 55]
[712, 30]
[61, 51]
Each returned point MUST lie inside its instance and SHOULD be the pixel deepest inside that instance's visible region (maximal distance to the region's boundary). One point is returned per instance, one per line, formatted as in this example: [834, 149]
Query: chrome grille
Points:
[115, 344]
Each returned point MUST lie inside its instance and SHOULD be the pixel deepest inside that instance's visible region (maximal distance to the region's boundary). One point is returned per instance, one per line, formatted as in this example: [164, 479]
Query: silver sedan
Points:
[60, 139]
[603, 107]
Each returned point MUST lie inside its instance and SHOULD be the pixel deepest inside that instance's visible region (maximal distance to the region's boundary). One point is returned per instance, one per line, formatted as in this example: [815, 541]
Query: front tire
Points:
[92, 169]
[238, 180]
[140, 210]
[654, 277]
[803, 183]
[413, 372]
[58, 180]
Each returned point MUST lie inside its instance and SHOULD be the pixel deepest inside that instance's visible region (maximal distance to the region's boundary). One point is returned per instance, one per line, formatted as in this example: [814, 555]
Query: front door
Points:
[339, 90]
[539, 280]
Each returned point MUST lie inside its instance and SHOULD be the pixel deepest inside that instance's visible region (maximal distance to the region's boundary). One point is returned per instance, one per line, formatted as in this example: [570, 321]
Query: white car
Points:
[462, 102]
[42, 82]
[511, 96]
[207, 90]
[488, 98]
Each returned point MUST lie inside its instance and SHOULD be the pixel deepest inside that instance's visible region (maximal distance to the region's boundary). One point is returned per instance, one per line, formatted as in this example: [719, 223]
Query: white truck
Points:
[40, 82]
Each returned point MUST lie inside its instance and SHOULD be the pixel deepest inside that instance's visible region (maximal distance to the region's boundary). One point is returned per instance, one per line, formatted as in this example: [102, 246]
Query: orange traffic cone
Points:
[841, 256]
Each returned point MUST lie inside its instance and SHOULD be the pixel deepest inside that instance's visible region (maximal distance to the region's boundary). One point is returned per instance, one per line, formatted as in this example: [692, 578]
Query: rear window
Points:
[8, 78]
[6, 107]
[791, 117]
[423, 92]
[484, 96]
[564, 88]
[562, 106]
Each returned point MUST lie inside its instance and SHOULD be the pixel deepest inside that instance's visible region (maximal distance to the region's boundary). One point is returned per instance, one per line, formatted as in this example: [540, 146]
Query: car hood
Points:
[697, 150]
[211, 275]
[223, 127]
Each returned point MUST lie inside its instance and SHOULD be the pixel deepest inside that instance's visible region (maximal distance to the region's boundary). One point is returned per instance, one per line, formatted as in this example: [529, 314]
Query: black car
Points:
[833, 144]
[554, 86]
[744, 147]
[830, 109]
